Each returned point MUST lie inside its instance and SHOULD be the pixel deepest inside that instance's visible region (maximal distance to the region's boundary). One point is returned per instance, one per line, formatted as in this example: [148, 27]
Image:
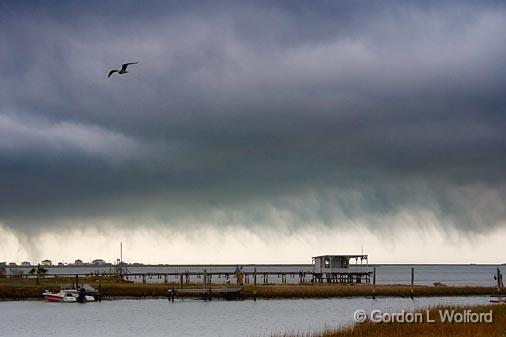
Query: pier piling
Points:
[204, 286]
[172, 292]
[374, 283]
[255, 284]
[412, 281]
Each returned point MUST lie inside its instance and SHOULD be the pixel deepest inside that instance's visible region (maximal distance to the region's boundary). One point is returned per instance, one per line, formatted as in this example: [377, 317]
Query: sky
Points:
[253, 132]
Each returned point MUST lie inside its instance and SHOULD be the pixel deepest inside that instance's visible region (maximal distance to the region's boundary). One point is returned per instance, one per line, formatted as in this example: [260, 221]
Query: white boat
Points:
[498, 300]
[66, 296]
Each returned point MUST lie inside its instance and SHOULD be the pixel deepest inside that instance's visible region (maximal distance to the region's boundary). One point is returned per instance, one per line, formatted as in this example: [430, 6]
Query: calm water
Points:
[125, 318]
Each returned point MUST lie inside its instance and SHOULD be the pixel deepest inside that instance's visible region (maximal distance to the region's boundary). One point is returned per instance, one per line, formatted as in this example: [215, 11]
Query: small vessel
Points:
[64, 296]
[498, 299]
[67, 296]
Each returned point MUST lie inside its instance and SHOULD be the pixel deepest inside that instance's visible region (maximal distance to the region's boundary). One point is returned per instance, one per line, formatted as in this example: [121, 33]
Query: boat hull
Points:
[60, 297]
[53, 298]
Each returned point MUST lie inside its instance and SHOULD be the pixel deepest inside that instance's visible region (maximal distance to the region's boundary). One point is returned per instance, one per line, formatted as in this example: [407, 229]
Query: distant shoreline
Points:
[267, 265]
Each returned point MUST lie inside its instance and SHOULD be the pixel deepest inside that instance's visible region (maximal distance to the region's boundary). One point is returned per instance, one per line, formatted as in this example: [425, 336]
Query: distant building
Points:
[46, 263]
[17, 272]
[61, 264]
[25, 264]
[98, 262]
[78, 262]
[3, 264]
[12, 264]
[337, 269]
[335, 263]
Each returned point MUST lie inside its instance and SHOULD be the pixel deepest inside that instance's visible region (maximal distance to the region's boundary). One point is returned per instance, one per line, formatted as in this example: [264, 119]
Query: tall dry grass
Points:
[114, 287]
[424, 329]
[333, 290]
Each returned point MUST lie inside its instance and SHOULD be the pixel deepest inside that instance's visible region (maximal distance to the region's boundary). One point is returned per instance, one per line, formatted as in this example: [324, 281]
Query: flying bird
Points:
[123, 69]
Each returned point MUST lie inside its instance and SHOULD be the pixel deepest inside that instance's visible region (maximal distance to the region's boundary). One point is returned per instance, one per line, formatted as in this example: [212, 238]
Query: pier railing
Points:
[221, 277]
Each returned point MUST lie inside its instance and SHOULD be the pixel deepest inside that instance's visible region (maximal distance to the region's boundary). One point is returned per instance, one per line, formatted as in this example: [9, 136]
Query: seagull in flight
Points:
[123, 69]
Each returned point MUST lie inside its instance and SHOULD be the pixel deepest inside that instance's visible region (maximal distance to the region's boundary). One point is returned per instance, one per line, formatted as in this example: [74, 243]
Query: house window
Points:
[326, 262]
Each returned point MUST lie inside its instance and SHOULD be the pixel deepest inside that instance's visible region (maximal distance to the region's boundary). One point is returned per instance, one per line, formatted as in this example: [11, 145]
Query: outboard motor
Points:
[82, 296]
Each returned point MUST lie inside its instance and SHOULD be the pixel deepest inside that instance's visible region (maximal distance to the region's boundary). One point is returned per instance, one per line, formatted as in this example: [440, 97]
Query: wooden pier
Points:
[207, 293]
[343, 277]
[250, 284]
[219, 277]
[325, 268]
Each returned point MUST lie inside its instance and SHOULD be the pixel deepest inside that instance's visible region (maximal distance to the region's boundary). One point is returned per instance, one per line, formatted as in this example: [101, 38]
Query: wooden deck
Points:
[207, 293]
[185, 278]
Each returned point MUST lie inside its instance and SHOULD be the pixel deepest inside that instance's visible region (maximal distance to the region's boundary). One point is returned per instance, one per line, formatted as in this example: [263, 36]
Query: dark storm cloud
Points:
[253, 114]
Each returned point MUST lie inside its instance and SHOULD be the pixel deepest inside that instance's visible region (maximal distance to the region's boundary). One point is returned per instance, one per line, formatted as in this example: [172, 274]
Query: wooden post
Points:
[172, 292]
[181, 280]
[77, 281]
[412, 281]
[100, 289]
[165, 279]
[143, 278]
[498, 277]
[204, 284]
[255, 284]
[374, 283]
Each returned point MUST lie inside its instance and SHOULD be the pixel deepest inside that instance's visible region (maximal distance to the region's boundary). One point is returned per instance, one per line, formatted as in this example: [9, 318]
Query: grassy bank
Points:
[324, 291]
[424, 329]
[15, 289]
[113, 287]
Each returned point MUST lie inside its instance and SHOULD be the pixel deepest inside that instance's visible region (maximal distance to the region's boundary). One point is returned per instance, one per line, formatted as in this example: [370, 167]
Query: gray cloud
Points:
[23, 137]
[245, 114]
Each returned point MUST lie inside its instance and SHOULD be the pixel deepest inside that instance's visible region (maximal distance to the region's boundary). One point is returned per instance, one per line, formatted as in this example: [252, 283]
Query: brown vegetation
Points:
[424, 329]
[113, 287]
[332, 290]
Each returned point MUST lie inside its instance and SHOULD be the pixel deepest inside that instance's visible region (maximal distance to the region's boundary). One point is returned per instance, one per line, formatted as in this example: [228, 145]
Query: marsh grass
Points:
[327, 291]
[114, 287]
[439, 329]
